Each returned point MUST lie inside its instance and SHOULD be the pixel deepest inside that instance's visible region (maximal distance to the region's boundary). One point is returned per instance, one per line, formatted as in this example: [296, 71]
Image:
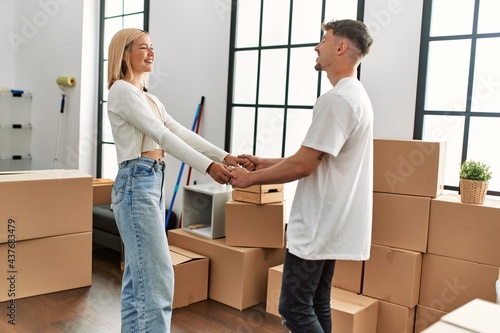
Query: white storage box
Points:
[204, 209]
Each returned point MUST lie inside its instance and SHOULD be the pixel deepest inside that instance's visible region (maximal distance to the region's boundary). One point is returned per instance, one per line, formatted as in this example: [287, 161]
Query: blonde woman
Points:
[143, 132]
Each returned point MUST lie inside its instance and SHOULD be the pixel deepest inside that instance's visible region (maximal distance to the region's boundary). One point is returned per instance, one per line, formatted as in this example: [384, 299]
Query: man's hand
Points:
[240, 160]
[241, 177]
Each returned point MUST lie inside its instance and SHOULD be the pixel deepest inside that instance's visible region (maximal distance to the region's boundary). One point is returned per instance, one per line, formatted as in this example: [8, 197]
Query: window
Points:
[272, 81]
[115, 15]
[458, 94]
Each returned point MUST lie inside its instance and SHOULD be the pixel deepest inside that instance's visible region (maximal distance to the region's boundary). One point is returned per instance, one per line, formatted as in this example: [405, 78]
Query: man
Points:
[331, 213]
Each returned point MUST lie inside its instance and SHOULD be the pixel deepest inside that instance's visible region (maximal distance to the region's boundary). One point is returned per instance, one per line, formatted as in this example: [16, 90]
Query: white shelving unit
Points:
[15, 131]
[205, 205]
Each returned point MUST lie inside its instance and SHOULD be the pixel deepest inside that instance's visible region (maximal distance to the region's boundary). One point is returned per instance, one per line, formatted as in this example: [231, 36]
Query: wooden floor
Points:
[96, 309]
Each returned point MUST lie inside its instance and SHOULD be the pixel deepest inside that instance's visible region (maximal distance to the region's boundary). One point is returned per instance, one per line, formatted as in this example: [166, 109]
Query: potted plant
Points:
[474, 177]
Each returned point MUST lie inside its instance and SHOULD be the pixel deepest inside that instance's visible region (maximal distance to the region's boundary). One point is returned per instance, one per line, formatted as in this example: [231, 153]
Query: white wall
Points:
[191, 40]
[7, 21]
[389, 72]
[44, 41]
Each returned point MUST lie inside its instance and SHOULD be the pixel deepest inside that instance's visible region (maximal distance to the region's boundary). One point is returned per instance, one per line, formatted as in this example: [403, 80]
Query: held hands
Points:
[242, 177]
[220, 173]
[240, 160]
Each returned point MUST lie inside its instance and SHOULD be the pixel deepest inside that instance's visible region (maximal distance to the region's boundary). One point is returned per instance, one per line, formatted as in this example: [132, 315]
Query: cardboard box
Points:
[238, 275]
[476, 316]
[412, 167]
[348, 275]
[401, 221]
[449, 283]
[102, 191]
[441, 327]
[425, 317]
[353, 313]
[255, 225]
[45, 203]
[395, 318]
[259, 194]
[274, 289]
[204, 209]
[393, 275]
[46, 265]
[464, 231]
[191, 277]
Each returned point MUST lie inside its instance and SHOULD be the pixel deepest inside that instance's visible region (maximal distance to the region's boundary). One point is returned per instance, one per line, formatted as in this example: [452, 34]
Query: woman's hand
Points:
[220, 173]
[240, 160]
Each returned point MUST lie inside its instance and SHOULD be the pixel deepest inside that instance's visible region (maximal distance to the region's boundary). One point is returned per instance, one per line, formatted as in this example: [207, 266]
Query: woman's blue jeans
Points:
[305, 294]
[148, 278]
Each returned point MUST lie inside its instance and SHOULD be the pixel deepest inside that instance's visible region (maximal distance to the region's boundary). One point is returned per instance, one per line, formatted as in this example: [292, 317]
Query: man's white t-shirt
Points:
[331, 215]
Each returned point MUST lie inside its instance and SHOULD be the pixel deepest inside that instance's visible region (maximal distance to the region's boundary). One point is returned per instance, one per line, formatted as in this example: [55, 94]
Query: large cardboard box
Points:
[448, 283]
[274, 289]
[401, 221]
[395, 318]
[102, 188]
[464, 231]
[45, 203]
[259, 194]
[255, 225]
[348, 275]
[393, 275]
[353, 313]
[441, 327]
[191, 277]
[425, 317]
[412, 167]
[44, 265]
[476, 316]
[237, 275]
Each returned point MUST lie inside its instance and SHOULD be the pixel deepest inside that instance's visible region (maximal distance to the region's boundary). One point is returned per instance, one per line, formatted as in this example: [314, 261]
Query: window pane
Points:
[111, 26]
[451, 17]
[248, 18]
[105, 80]
[109, 161]
[303, 83]
[483, 134]
[133, 6]
[449, 129]
[107, 135]
[447, 75]
[341, 9]
[275, 22]
[272, 76]
[326, 85]
[113, 8]
[297, 124]
[134, 21]
[242, 130]
[245, 77]
[488, 16]
[269, 132]
[306, 21]
[486, 89]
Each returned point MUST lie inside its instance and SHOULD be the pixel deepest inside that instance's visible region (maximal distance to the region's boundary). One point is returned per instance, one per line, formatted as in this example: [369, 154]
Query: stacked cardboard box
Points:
[431, 253]
[46, 229]
[463, 257]
[238, 263]
[255, 217]
[407, 175]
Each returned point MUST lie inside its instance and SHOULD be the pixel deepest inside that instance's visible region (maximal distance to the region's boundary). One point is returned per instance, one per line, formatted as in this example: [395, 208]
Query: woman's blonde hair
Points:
[119, 55]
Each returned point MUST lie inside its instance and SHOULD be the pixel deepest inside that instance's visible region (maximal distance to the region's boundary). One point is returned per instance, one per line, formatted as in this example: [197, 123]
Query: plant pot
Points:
[473, 191]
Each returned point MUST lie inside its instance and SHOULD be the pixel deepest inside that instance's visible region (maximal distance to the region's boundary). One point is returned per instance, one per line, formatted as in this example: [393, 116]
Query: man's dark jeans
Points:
[305, 294]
